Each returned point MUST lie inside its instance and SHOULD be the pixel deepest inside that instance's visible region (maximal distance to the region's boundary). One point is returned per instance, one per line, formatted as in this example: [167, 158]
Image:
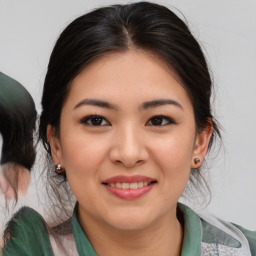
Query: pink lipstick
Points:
[129, 187]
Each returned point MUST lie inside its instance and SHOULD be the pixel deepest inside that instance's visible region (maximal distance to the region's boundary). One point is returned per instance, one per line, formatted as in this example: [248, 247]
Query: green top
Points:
[29, 236]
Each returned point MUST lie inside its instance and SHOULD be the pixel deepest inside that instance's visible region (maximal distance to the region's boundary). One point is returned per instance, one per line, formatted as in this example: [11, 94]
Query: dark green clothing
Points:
[29, 237]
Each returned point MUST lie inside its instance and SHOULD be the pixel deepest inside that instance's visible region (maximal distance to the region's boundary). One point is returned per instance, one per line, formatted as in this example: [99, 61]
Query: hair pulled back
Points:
[118, 28]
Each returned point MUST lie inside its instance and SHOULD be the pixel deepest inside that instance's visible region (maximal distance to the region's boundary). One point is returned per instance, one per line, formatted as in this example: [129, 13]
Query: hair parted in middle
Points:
[120, 28]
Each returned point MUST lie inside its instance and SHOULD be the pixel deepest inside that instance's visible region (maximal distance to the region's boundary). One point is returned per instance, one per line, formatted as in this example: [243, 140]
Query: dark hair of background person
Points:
[119, 28]
[17, 123]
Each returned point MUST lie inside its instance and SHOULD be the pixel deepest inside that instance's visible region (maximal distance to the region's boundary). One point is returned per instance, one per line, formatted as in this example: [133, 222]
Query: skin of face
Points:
[127, 141]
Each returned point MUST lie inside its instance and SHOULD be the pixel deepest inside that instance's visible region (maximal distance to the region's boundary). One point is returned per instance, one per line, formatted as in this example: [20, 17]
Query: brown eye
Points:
[95, 120]
[160, 121]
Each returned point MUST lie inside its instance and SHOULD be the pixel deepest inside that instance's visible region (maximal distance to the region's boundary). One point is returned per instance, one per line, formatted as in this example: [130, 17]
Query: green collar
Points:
[192, 232]
[83, 245]
[191, 243]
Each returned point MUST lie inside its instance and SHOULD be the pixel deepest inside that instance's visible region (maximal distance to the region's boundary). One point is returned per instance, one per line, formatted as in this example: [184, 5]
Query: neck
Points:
[163, 237]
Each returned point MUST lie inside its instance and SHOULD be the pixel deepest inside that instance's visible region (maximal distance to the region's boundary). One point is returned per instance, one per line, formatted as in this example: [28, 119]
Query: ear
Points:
[201, 145]
[55, 145]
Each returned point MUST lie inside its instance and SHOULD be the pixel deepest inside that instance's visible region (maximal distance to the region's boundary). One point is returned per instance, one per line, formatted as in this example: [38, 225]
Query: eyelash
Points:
[168, 120]
[87, 119]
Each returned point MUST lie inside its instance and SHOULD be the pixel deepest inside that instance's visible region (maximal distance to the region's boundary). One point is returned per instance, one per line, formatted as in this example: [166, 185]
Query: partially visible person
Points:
[17, 123]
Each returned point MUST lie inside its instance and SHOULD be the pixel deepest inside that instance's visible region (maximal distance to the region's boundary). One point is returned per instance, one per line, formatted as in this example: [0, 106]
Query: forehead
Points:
[132, 75]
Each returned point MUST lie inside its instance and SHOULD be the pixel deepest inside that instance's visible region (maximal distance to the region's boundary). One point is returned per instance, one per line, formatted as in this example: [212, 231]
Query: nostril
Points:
[129, 164]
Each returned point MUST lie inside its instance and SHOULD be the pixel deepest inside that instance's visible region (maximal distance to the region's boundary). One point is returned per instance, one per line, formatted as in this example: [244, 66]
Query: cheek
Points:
[81, 151]
[173, 156]
[174, 153]
[82, 158]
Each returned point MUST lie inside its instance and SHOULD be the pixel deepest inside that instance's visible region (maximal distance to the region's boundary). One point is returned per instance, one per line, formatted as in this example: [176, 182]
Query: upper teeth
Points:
[133, 185]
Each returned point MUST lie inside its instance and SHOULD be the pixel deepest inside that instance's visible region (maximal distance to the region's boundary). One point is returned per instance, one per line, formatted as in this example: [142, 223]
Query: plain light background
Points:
[227, 32]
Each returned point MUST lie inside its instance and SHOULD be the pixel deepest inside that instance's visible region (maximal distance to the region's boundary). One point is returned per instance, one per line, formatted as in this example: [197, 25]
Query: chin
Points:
[129, 220]
[130, 225]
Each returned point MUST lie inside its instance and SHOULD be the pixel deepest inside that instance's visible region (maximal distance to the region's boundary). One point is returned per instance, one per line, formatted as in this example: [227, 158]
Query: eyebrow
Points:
[97, 103]
[160, 102]
[144, 105]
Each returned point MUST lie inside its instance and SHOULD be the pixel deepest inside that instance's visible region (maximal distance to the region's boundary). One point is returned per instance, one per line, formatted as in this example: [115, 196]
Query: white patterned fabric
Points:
[213, 249]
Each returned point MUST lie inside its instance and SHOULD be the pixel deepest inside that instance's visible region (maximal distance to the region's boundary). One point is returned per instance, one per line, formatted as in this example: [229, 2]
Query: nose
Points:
[129, 149]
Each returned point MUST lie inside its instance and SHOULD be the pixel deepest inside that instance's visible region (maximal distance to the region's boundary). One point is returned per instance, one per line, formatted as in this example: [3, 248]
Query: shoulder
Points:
[26, 234]
[224, 237]
[213, 236]
[251, 237]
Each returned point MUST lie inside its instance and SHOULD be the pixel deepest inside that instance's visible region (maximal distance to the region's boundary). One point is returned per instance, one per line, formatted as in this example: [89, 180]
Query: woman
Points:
[127, 122]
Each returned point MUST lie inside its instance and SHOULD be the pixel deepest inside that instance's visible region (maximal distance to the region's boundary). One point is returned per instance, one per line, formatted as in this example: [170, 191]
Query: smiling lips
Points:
[129, 187]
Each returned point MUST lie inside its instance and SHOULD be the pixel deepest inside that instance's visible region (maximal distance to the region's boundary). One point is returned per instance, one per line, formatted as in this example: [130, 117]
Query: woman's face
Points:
[127, 140]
